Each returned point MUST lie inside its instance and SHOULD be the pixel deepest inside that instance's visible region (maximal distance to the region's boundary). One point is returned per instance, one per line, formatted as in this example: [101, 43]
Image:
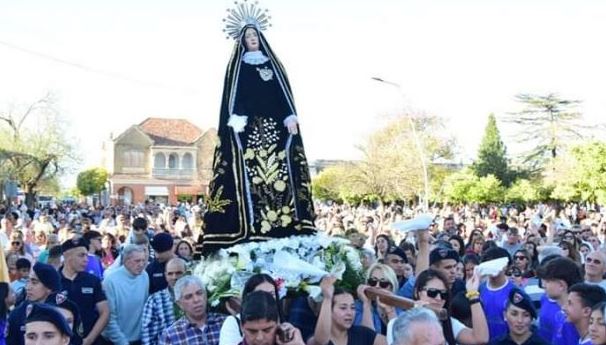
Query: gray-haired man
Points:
[127, 290]
[418, 326]
[197, 327]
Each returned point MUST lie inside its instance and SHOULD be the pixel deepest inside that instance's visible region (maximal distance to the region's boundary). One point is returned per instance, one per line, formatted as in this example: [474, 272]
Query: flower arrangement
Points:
[297, 264]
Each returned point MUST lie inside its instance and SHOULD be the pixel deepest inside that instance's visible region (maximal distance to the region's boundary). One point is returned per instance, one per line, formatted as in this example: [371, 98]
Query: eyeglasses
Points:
[16, 243]
[382, 283]
[520, 257]
[568, 237]
[595, 261]
[433, 293]
[514, 273]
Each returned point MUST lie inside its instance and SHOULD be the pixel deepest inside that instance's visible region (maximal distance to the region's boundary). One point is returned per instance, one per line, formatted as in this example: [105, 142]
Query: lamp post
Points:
[418, 145]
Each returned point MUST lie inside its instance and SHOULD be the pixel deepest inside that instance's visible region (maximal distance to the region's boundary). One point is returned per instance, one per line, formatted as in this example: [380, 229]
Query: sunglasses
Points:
[513, 274]
[16, 243]
[520, 257]
[595, 261]
[382, 283]
[433, 293]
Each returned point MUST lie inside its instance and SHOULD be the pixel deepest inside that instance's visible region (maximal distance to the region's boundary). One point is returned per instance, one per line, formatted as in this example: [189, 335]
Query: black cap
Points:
[521, 300]
[441, 253]
[48, 276]
[40, 312]
[74, 243]
[162, 242]
[61, 301]
[393, 250]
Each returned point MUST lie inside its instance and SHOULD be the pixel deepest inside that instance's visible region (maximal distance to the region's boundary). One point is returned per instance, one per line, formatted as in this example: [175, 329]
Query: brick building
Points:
[162, 160]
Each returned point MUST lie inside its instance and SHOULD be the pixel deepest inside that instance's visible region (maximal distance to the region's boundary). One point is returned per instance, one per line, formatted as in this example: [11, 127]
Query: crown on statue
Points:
[245, 14]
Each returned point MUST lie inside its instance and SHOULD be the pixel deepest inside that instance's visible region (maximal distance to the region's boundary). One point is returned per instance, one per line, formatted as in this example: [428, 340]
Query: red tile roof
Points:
[171, 132]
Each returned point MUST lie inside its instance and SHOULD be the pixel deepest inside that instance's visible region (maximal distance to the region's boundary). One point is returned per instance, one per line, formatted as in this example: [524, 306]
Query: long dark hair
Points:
[421, 282]
[260, 306]
[256, 280]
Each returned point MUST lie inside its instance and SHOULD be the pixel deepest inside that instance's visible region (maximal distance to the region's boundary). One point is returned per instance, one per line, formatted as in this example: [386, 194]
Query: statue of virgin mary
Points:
[261, 188]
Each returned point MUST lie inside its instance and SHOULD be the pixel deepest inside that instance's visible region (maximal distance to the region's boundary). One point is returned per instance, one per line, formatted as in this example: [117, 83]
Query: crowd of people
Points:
[122, 275]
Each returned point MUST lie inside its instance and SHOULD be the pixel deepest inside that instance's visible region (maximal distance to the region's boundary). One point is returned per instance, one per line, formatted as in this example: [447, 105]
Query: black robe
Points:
[261, 188]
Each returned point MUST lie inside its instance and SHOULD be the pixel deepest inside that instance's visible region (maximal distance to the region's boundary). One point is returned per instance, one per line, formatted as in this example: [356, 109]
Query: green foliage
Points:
[92, 181]
[492, 154]
[391, 167]
[582, 175]
[184, 197]
[524, 191]
[466, 187]
[547, 124]
[459, 186]
[34, 146]
[329, 184]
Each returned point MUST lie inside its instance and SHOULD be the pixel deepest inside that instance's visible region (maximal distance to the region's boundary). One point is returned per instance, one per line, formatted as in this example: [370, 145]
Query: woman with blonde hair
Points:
[372, 313]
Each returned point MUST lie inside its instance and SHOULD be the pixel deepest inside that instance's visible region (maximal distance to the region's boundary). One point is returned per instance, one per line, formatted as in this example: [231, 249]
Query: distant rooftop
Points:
[170, 132]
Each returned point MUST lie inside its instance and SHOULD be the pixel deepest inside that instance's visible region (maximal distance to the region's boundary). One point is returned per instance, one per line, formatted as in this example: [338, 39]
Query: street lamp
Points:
[420, 151]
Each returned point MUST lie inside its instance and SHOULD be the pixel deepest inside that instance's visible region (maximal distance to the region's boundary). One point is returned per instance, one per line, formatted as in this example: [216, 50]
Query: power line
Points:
[89, 69]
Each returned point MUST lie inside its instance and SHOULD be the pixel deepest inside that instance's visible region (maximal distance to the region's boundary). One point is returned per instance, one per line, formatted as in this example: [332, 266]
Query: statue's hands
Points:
[291, 124]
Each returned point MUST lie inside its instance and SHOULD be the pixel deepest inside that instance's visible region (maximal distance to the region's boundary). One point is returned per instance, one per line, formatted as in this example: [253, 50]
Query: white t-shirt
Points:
[230, 331]
[457, 327]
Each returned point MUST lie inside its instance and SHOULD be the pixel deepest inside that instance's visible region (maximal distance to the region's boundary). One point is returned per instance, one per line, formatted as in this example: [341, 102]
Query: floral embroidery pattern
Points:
[267, 170]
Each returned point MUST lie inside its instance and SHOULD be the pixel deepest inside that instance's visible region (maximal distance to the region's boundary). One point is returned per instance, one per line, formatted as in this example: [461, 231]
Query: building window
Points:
[133, 159]
[187, 162]
[159, 161]
[173, 161]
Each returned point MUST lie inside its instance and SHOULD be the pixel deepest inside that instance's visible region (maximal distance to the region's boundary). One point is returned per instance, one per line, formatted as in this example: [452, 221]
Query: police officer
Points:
[84, 289]
[70, 312]
[519, 316]
[45, 325]
[162, 244]
[43, 281]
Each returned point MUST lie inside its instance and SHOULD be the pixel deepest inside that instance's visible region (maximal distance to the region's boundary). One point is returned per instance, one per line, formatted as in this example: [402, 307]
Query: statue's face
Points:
[251, 39]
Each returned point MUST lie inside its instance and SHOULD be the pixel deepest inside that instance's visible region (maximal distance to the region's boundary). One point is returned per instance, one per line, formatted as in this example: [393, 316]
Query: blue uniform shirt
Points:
[494, 303]
[547, 317]
[86, 291]
[157, 280]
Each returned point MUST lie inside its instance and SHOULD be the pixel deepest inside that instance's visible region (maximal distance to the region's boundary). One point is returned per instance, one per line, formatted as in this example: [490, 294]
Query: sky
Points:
[113, 63]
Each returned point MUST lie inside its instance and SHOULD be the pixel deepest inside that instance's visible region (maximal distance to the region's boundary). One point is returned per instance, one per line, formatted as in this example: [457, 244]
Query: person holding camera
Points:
[259, 320]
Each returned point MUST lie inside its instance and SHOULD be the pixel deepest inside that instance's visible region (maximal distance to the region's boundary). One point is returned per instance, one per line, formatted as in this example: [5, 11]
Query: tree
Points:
[583, 176]
[92, 181]
[547, 123]
[39, 150]
[492, 154]
[458, 187]
[391, 167]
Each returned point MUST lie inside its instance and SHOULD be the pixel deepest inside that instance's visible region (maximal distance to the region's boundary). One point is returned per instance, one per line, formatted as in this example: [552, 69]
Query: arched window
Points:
[173, 161]
[159, 161]
[187, 162]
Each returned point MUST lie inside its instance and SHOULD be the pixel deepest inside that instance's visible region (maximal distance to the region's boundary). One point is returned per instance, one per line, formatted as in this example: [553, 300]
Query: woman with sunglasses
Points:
[431, 288]
[521, 259]
[335, 321]
[374, 314]
[597, 324]
[514, 274]
[17, 246]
